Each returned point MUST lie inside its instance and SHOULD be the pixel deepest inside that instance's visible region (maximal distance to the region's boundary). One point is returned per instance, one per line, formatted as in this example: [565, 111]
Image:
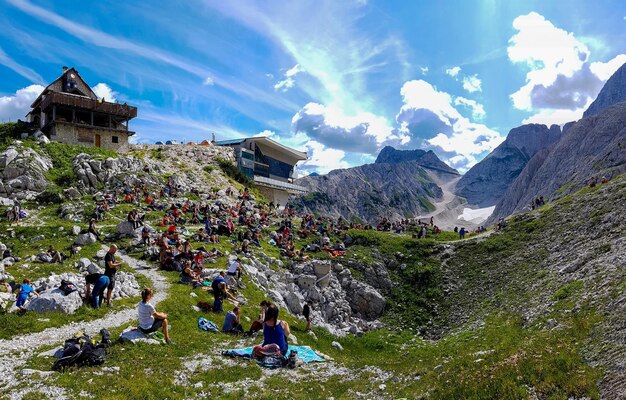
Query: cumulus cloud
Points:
[104, 91]
[429, 117]
[472, 84]
[454, 71]
[362, 132]
[17, 105]
[477, 109]
[322, 159]
[267, 133]
[560, 82]
[289, 81]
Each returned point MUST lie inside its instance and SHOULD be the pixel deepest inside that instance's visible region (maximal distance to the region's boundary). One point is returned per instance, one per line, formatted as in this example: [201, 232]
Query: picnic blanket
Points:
[305, 353]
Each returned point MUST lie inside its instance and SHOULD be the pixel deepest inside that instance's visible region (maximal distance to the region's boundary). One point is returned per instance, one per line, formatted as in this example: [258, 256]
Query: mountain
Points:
[486, 182]
[613, 92]
[370, 191]
[400, 184]
[592, 147]
[427, 159]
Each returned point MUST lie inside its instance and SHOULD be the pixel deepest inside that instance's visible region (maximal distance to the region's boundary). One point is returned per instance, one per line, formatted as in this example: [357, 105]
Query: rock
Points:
[37, 238]
[613, 92]
[306, 282]
[76, 230]
[337, 346]
[85, 239]
[100, 254]
[55, 300]
[294, 302]
[132, 335]
[72, 193]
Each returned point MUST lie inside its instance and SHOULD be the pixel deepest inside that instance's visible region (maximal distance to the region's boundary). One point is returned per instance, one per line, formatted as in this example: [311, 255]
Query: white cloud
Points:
[472, 84]
[429, 117]
[19, 69]
[289, 81]
[477, 109]
[560, 82]
[604, 70]
[322, 159]
[208, 81]
[102, 90]
[454, 71]
[423, 70]
[267, 133]
[362, 132]
[559, 117]
[17, 105]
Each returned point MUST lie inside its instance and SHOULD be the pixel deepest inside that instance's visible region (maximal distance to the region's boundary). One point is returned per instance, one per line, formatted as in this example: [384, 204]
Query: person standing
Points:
[306, 312]
[110, 269]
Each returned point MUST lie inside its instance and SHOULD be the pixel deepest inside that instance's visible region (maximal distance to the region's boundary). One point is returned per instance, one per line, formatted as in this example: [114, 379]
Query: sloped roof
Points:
[57, 86]
[264, 140]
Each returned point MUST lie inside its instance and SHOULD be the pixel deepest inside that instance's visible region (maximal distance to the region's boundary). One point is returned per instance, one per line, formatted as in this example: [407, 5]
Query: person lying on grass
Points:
[149, 319]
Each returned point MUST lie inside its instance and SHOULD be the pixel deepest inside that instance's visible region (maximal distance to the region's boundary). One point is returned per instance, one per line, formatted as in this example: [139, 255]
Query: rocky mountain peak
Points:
[613, 92]
[424, 158]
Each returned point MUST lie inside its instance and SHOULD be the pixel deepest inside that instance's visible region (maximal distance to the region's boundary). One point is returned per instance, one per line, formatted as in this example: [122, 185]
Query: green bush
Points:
[233, 172]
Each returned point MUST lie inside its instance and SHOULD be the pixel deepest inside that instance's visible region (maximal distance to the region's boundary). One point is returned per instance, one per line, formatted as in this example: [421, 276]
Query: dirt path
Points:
[15, 352]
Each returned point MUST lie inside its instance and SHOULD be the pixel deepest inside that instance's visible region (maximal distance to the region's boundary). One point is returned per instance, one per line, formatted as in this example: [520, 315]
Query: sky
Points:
[337, 79]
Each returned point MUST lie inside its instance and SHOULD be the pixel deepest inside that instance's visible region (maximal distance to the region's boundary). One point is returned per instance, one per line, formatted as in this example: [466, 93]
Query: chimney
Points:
[64, 69]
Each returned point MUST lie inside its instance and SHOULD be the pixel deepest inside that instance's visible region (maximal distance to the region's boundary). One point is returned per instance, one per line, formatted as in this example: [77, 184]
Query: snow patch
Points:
[477, 215]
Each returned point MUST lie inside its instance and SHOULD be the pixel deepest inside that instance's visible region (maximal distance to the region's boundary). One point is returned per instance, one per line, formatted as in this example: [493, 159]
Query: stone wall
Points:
[86, 136]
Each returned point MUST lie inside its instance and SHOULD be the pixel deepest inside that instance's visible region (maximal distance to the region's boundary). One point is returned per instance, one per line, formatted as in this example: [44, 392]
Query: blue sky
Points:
[339, 79]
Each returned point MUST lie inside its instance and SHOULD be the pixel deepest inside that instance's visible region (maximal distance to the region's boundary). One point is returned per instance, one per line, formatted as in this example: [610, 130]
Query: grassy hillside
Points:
[529, 312]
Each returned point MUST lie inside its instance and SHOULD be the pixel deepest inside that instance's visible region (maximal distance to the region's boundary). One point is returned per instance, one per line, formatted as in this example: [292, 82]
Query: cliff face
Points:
[486, 182]
[592, 147]
[613, 92]
[371, 191]
[427, 159]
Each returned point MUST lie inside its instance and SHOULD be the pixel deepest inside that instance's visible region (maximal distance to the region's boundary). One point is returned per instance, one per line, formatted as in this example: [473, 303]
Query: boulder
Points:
[86, 238]
[294, 302]
[72, 193]
[305, 282]
[37, 238]
[76, 230]
[55, 300]
[365, 300]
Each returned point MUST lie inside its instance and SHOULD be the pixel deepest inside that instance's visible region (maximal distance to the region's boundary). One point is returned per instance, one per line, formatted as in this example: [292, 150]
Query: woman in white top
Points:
[149, 319]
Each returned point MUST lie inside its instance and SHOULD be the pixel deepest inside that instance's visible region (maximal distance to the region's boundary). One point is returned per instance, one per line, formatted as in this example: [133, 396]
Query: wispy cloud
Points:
[22, 70]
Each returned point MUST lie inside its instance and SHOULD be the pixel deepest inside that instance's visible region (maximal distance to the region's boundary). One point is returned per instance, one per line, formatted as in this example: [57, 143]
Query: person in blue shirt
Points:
[274, 330]
[219, 293]
[232, 322]
[24, 291]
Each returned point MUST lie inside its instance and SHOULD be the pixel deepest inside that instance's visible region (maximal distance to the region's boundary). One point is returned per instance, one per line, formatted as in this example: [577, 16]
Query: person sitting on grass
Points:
[274, 330]
[232, 323]
[258, 324]
[24, 291]
[149, 319]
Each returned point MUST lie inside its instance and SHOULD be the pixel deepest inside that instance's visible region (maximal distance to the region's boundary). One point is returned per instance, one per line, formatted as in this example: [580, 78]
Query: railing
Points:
[276, 184]
[86, 103]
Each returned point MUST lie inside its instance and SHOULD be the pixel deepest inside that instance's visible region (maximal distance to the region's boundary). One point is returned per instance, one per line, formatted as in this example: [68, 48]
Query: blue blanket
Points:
[305, 353]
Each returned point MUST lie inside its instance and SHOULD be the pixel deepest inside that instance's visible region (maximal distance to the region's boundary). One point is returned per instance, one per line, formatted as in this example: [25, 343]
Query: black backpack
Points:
[81, 350]
[67, 287]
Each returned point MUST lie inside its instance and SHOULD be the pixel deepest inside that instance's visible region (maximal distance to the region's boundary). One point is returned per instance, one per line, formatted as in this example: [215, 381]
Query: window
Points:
[115, 139]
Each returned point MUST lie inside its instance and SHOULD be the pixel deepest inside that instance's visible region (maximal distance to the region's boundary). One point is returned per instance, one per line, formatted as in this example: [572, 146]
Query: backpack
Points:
[67, 287]
[207, 325]
[80, 350]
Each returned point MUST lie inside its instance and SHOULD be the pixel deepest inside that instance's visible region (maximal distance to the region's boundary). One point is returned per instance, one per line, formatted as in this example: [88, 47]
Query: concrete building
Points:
[68, 111]
[269, 164]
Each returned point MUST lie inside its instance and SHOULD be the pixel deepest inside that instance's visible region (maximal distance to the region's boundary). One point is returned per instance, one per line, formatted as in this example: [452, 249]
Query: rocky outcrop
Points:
[341, 303]
[591, 147]
[22, 172]
[94, 174]
[486, 182]
[55, 300]
[371, 191]
[425, 159]
[613, 92]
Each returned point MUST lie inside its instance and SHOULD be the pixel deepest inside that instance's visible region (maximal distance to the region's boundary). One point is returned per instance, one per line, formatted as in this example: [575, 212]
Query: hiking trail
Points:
[15, 352]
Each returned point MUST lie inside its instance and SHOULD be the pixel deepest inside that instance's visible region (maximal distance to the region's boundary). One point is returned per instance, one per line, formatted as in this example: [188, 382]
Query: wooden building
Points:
[68, 111]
